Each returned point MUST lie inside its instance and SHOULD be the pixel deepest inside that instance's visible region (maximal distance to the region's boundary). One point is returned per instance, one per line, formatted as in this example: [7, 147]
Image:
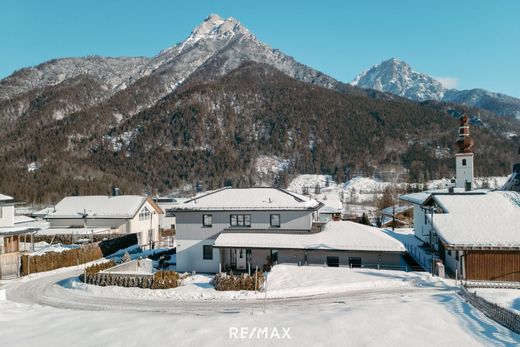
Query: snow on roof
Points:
[416, 198]
[398, 209]
[421, 197]
[388, 219]
[73, 231]
[342, 235]
[479, 220]
[23, 219]
[261, 198]
[5, 197]
[98, 206]
[43, 212]
[16, 230]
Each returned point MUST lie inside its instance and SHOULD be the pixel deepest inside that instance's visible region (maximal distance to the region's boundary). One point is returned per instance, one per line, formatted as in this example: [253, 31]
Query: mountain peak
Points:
[397, 77]
[215, 26]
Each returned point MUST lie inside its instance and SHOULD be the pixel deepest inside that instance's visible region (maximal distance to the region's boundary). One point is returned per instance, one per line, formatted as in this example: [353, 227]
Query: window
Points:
[354, 261]
[240, 220]
[145, 214]
[169, 213]
[275, 220]
[207, 220]
[207, 252]
[333, 261]
[463, 162]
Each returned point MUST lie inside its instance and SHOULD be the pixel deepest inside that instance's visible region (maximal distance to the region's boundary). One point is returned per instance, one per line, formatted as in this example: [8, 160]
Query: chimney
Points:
[464, 156]
[116, 191]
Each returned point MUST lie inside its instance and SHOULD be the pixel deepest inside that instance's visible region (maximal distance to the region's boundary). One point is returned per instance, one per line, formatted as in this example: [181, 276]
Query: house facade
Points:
[123, 214]
[475, 233]
[10, 236]
[240, 229]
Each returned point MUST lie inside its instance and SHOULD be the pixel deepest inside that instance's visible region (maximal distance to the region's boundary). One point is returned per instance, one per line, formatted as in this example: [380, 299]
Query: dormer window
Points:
[145, 214]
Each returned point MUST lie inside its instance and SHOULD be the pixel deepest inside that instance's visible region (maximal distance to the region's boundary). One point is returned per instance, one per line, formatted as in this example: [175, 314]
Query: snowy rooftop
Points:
[5, 197]
[398, 209]
[73, 231]
[98, 206]
[335, 236]
[262, 198]
[421, 197]
[479, 220]
[16, 230]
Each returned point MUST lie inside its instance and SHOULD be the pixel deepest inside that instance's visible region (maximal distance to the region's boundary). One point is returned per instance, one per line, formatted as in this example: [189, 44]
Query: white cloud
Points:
[448, 82]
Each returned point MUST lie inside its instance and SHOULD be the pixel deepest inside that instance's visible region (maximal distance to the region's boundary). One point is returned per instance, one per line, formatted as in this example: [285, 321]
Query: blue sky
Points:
[471, 43]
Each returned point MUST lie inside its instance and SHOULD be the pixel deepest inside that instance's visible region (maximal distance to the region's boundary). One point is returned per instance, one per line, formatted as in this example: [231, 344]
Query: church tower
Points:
[464, 156]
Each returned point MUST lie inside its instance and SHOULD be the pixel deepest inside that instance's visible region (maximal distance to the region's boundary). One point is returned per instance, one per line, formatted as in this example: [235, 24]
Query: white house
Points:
[123, 214]
[238, 229]
[167, 204]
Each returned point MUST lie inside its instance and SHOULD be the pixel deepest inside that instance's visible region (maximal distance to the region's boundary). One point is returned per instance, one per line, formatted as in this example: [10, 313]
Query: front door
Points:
[241, 258]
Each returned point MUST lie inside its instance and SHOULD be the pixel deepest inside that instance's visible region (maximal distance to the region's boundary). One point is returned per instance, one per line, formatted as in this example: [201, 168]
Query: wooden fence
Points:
[9, 265]
[499, 314]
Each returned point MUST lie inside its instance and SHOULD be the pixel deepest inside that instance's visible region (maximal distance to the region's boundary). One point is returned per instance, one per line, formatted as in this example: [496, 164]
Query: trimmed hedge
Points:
[53, 260]
[223, 281]
[159, 280]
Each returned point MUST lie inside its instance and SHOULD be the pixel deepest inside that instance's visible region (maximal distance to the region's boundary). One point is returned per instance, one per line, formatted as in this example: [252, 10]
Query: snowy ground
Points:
[508, 298]
[43, 247]
[363, 308]
[284, 281]
[360, 194]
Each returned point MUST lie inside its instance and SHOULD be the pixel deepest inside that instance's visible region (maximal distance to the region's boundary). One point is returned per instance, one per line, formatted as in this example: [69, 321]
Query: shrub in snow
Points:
[160, 280]
[53, 260]
[223, 281]
[165, 280]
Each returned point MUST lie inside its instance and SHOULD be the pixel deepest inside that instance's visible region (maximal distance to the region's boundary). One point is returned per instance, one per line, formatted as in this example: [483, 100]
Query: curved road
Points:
[46, 290]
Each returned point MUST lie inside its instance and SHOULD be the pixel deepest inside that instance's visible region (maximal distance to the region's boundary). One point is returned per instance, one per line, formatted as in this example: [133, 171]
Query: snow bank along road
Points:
[427, 316]
[45, 289]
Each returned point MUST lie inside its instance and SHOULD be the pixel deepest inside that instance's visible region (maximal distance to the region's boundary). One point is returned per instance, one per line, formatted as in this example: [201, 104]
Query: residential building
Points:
[10, 236]
[123, 214]
[240, 229]
[397, 216]
[475, 233]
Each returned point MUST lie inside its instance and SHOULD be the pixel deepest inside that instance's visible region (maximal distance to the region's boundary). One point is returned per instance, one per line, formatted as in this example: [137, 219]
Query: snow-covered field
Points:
[428, 315]
[508, 298]
[360, 194]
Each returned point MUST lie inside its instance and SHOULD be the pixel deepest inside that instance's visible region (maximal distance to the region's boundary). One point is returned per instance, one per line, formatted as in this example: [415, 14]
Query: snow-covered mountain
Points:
[213, 48]
[397, 77]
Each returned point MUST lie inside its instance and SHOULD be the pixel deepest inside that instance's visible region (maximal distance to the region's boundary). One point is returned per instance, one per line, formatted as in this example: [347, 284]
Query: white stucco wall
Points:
[191, 234]
[190, 257]
[7, 215]
[122, 225]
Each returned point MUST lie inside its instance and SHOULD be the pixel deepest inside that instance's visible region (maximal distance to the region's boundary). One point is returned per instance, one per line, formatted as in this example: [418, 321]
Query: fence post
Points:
[256, 277]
